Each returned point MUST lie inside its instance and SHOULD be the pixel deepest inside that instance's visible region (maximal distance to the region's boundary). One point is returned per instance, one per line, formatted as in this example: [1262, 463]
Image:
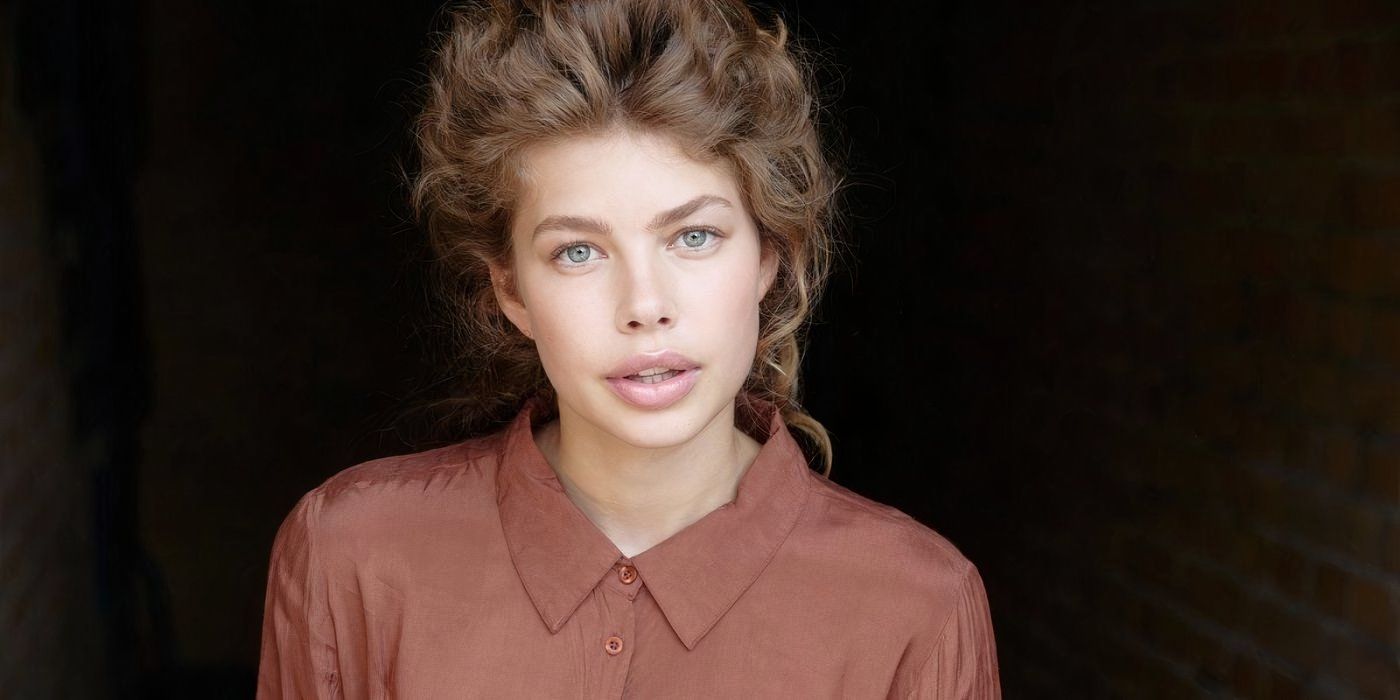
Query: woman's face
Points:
[626, 249]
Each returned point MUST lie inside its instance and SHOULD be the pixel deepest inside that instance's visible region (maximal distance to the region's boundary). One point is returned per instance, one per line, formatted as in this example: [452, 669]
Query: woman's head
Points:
[662, 101]
[623, 249]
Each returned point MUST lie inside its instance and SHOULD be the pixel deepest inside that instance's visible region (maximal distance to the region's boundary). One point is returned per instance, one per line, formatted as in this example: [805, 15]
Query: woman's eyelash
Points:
[713, 233]
[559, 252]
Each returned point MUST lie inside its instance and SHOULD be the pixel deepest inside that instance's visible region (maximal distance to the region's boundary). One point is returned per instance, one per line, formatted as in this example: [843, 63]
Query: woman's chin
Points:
[656, 429]
[653, 430]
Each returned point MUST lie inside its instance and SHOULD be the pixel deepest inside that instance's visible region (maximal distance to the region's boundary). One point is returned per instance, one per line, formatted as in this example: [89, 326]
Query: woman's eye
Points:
[696, 238]
[577, 252]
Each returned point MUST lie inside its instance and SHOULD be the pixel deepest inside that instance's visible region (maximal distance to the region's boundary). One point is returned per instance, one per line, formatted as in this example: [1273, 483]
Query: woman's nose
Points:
[645, 297]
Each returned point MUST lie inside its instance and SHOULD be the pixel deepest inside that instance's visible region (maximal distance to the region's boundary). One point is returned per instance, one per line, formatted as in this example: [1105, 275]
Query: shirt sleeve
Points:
[298, 658]
[963, 663]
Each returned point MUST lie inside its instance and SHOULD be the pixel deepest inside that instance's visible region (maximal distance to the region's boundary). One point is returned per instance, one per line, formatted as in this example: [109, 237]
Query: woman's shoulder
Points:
[906, 575]
[410, 490]
[438, 466]
[895, 551]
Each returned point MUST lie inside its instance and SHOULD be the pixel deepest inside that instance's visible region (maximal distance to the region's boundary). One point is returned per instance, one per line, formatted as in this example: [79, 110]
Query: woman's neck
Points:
[638, 497]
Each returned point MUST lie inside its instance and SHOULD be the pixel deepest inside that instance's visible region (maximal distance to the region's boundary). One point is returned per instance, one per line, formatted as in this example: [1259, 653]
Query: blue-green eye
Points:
[696, 238]
[578, 252]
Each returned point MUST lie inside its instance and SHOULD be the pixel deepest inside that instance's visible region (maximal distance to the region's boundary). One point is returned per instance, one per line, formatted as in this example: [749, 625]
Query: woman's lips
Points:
[644, 361]
[653, 395]
[659, 389]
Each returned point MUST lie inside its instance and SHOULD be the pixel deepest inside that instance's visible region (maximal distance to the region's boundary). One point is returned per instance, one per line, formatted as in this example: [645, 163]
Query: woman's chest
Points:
[489, 640]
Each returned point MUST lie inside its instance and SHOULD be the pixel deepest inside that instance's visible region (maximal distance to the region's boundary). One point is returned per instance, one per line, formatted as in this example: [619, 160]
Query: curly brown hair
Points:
[507, 75]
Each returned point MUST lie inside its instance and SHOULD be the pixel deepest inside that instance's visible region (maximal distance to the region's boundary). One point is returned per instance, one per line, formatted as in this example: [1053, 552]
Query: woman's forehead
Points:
[619, 169]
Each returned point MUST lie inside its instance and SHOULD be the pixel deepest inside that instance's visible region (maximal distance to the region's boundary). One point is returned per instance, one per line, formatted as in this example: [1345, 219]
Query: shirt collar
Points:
[695, 576]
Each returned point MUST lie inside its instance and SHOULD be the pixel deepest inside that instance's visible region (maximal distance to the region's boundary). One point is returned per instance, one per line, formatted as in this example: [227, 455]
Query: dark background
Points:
[1121, 320]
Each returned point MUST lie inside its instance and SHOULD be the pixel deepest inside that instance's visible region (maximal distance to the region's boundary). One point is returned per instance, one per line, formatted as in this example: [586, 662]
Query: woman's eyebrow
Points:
[671, 216]
[666, 218]
[562, 222]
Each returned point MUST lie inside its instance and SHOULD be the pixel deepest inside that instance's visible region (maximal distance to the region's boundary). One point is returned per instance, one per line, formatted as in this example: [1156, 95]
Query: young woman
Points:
[634, 201]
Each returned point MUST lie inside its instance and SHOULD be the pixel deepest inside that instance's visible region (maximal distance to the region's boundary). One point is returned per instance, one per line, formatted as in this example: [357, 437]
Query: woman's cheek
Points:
[739, 300]
[574, 319]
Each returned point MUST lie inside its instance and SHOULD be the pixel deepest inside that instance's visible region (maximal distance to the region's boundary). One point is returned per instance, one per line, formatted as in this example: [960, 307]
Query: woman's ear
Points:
[767, 271]
[507, 296]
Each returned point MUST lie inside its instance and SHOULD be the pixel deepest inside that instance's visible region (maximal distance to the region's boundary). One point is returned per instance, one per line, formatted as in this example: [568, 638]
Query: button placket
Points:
[616, 634]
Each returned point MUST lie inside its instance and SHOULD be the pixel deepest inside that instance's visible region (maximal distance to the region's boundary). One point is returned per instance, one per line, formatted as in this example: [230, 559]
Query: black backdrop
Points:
[271, 325]
[246, 314]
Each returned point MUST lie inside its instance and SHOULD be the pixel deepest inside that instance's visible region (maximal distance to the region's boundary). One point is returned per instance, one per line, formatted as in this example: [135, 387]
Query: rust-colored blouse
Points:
[466, 572]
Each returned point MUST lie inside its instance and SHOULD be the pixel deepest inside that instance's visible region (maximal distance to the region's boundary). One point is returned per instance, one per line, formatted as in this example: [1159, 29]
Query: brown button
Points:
[613, 645]
[627, 573]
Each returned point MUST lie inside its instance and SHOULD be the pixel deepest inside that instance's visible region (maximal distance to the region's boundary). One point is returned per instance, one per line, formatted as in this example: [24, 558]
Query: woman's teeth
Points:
[654, 376]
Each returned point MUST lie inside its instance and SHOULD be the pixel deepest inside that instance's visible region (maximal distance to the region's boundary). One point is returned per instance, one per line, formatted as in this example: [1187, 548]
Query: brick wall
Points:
[49, 640]
[1175, 301]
